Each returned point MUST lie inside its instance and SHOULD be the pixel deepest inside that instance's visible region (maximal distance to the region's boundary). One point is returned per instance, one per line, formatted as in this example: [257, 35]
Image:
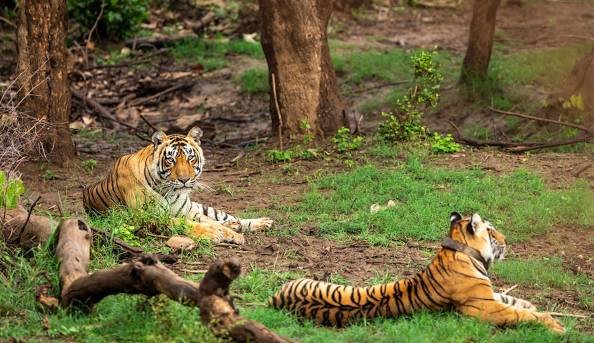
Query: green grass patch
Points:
[546, 273]
[519, 204]
[549, 67]
[357, 66]
[254, 81]
[211, 54]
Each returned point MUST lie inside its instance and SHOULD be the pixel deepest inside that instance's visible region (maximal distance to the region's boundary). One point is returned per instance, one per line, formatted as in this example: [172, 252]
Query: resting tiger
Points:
[167, 171]
[455, 279]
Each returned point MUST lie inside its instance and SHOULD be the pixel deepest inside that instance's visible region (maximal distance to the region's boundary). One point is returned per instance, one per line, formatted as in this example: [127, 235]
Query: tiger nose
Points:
[184, 179]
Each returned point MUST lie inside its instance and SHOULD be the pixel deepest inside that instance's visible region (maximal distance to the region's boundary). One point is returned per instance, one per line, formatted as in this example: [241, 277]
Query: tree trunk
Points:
[43, 75]
[480, 41]
[300, 70]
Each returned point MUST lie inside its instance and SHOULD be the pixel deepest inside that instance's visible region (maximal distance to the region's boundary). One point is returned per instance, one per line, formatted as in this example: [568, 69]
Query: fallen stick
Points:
[559, 314]
[146, 275]
[544, 120]
[141, 101]
[510, 289]
[278, 113]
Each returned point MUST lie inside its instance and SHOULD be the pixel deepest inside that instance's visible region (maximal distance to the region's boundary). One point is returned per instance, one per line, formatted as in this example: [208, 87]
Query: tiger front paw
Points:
[255, 225]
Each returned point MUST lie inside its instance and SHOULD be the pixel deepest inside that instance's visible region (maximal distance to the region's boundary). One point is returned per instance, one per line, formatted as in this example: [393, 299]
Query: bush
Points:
[120, 18]
[405, 123]
[344, 141]
[443, 144]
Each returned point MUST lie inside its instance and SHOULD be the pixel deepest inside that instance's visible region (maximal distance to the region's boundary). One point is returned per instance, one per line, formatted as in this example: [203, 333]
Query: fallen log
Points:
[22, 229]
[146, 275]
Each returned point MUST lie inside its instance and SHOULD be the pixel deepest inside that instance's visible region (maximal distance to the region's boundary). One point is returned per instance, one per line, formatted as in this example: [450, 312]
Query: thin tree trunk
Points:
[480, 41]
[296, 48]
[43, 76]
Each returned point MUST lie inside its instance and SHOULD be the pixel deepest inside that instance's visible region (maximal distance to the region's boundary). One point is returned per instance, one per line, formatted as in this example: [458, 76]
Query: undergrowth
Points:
[519, 204]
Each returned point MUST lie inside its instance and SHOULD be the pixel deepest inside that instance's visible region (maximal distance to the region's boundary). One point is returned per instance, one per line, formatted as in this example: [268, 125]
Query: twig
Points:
[95, 24]
[28, 217]
[141, 101]
[545, 120]
[365, 89]
[522, 148]
[582, 169]
[130, 249]
[510, 289]
[157, 236]
[278, 113]
[559, 314]
[104, 113]
[148, 123]
[8, 22]
[192, 271]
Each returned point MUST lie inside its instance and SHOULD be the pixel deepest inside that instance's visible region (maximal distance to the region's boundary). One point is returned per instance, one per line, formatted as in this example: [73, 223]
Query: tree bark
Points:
[43, 75]
[296, 48]
[480, 41]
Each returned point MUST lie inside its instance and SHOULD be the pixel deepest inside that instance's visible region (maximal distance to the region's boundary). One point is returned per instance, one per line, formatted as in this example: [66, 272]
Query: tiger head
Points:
[178, 159]
[478, 234]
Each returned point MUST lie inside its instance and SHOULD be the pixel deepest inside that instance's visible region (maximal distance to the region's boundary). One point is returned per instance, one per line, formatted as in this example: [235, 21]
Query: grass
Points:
[211, 54]
[546, 273]
[426, 196]
[519, 204]
[254, 81]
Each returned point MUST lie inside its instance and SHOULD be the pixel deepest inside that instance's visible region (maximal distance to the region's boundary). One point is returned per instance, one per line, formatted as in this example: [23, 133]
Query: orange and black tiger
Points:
[455, 279]
[167, 171]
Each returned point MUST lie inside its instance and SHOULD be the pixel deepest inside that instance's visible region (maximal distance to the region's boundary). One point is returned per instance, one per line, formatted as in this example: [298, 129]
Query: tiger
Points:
[168, 171]
[455, 279]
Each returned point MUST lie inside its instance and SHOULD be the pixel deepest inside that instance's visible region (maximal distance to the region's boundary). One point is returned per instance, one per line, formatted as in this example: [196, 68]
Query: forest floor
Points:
[543, 201]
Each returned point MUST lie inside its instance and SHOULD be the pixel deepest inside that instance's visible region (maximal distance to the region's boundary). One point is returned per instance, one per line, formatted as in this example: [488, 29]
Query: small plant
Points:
[308, 136]
[344, 141]
[405, 123]
[10, 191]
[309, 154]
[126, 233]
[89, 164]
[443, 144]
[49, 175]
[278, 156]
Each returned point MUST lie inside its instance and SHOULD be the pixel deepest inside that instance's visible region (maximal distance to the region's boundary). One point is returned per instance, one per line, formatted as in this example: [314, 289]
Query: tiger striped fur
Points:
[455, 279]
[167, 171]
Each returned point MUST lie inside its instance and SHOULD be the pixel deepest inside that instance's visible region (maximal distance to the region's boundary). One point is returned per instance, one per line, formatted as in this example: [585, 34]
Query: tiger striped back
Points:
[456, 278]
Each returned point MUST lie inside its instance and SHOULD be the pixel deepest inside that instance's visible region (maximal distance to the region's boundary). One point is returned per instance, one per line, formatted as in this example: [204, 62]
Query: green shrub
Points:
[254, 81]
[443, 144]
[120, 18]
[10, 191]
[405, 123]
[277, 156]
[344, 141]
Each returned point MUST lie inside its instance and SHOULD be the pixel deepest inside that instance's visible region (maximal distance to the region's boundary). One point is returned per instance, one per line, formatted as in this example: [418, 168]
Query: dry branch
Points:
[148, 276]
[544, 120]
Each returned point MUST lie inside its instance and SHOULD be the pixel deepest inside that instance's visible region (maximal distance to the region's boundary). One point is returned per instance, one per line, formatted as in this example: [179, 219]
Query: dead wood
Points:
[518, 146]
[158, 41]
[544, 120]
[181, 85]
[146, 275]
[19, 228]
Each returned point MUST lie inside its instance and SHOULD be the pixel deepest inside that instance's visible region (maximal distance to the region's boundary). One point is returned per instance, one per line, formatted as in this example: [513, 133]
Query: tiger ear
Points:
[195, 133]
[474, 221]
[158, 137]
[455, 216]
